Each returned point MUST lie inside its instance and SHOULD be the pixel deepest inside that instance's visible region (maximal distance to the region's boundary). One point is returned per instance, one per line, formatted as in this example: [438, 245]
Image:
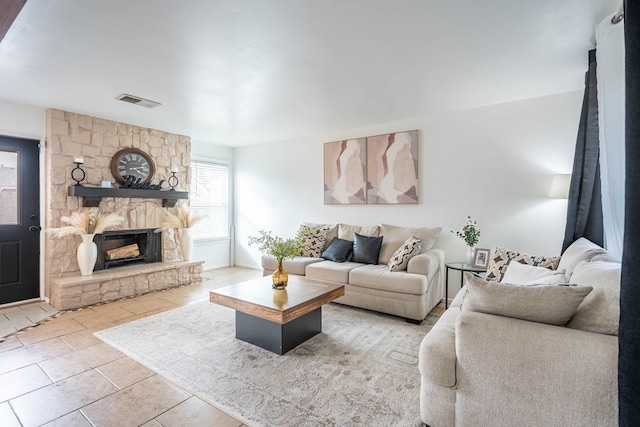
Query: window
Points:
[209, 197]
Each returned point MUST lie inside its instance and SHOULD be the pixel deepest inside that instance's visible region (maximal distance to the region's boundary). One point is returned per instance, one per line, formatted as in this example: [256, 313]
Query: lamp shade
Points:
[560, 186]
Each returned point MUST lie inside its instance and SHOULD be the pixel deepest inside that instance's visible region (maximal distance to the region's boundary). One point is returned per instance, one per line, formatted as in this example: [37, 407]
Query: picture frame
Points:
[392, 168]
[481, 258]
[345, 172]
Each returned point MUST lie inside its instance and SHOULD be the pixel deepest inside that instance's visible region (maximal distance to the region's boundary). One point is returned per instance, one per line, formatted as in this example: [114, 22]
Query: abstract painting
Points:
[344, 172]
[392, 168]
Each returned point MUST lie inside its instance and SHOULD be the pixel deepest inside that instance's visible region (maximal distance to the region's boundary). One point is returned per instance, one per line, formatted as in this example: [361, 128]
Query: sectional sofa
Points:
[411, 291]
[528, 355]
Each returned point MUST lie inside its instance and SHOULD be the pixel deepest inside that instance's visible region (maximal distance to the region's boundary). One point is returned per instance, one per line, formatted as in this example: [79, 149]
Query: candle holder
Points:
[77, 173]
[172, 181]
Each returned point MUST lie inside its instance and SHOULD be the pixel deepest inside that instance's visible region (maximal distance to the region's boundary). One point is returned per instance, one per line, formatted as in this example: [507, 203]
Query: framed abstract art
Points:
[344, 172]
[392, 168]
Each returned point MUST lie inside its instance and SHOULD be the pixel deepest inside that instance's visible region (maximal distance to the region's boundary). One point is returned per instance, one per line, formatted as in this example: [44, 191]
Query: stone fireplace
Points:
[97, 140]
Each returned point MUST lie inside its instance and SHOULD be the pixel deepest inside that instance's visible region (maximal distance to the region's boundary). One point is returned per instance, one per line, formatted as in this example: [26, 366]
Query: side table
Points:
[462, 267]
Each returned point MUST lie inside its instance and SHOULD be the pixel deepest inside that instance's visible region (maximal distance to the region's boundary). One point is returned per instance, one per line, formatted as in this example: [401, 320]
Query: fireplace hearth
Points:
[118, 248]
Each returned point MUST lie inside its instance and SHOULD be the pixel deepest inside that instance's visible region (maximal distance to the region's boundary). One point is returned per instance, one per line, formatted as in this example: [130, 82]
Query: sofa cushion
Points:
[600, 310]
[379, 277]
[296, 265]
[400, 259]
[330, 271]
[524, 274]
[395, 236]
[346, 231]
[366, 249]
[339, 250]
[313, 240]
[580, 250]
[332, 231]
[544, 304]
[502, 258]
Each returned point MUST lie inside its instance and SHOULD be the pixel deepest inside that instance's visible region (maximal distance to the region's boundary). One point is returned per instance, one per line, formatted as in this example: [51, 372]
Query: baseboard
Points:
[249, 266]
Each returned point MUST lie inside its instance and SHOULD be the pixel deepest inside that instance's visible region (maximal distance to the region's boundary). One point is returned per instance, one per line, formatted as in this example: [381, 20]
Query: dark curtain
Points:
[584, 209]
[629, 338]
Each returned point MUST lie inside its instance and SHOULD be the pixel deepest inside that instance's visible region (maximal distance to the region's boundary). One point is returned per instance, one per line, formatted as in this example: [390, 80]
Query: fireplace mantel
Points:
[93, 195]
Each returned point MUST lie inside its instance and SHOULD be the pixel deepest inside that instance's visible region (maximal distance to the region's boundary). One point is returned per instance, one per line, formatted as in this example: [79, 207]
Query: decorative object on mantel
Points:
[173, 179]
[182, 221]
[87, 224]
[77, 173]
[132, 162]
[280, 249]
[470, 233]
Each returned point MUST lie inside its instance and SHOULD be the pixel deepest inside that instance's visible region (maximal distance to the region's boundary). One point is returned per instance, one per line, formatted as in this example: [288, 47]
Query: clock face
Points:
[132, 162]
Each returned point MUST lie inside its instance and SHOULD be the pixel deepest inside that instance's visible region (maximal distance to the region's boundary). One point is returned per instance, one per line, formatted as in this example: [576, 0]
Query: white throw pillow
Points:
[524, 274]
[580, 250]
[409, 249]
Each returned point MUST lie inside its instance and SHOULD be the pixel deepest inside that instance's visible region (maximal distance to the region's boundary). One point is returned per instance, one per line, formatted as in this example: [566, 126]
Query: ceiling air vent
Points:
[131, 99]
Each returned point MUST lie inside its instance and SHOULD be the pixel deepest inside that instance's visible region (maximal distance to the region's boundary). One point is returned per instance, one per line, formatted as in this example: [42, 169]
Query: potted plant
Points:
[87, 224]
[470, 233]
[280, 249]
[182, 220]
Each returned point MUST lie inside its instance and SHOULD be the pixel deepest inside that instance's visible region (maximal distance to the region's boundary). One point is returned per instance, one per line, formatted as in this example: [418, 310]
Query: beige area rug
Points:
[362, 370]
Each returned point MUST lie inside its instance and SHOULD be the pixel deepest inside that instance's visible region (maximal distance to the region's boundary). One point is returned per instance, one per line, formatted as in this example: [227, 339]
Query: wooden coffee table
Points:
[277, 321]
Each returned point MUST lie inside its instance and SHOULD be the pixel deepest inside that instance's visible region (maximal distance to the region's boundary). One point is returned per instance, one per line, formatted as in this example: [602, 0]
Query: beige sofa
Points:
[410, 293]
[480, 368]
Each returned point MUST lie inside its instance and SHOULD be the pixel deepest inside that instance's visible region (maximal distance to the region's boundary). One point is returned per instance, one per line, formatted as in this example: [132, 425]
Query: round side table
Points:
[462, 267]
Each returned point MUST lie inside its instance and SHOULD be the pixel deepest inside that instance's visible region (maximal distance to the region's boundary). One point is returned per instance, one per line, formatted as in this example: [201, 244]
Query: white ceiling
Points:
[240, 72]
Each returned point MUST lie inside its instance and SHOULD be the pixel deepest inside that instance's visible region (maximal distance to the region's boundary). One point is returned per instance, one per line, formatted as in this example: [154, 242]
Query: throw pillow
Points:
[332, 232]
[400, 259]
[580, 250]
[523, 274]
[544, 304]
[600, 311]
[502, 258]
[366, 249]
[394, 237]
[312, 240]
[338, 250]
[346, 231]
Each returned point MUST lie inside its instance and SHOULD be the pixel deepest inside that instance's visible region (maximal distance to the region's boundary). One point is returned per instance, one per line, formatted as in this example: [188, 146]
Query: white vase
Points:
[186, 244]
[87, 254]
[469, 259]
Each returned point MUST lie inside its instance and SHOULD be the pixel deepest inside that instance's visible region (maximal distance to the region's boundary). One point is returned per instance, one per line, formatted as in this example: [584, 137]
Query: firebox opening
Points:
[125, 247]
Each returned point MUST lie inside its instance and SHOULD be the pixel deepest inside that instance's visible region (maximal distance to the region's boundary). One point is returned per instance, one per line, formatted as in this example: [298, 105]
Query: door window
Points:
[9, 188]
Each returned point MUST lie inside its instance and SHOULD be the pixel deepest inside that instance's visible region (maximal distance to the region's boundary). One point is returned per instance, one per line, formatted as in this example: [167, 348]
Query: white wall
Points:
[22, 121]
[494, 163]
[215, 253]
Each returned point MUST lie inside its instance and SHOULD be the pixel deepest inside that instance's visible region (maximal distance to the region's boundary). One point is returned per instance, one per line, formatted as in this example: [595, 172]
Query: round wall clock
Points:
[132, 162]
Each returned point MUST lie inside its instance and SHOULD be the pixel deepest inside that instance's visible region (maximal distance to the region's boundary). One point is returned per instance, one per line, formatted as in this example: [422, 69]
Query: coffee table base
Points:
[275, 337]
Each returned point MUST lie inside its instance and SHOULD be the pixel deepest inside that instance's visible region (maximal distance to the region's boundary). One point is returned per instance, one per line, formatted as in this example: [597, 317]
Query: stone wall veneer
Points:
[97, 140]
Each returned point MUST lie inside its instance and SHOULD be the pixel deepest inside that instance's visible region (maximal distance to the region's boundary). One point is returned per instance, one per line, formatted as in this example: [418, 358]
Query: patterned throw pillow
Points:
[502, 258]
[401, 257]
[312, 240]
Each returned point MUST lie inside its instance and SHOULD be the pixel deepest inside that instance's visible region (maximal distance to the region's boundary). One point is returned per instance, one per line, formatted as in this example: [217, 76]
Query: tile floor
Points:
[59, 374]
[16, 318]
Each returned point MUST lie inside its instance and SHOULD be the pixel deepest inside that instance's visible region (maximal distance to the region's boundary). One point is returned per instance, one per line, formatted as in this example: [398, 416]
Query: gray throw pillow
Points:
[338, 250]
[366, 249]
[552, 304]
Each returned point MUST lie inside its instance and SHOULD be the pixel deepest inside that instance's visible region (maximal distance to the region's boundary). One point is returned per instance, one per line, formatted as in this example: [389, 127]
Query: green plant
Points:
[470, 233]
[276, 246]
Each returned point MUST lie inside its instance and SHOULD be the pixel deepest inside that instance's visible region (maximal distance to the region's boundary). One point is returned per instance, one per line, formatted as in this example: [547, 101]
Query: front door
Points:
[19, 220]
